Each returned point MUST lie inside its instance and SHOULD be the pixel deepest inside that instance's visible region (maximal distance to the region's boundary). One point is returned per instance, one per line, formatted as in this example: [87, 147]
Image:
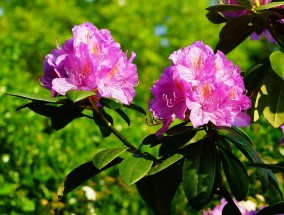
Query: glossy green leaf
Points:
[159, 190]
[247, 149]
[135, 167]
[81, 174]
[277, 63]
[236, 174]
[272, 100]
[135, 107]
[78, 95]
[110, 103]
[165, 163]
[270, 5]
[103, 126]
[215, 17]
[60, 115]
[199, 170]
[225, 7]
[34, 97]
[277, 208]
[103, 158]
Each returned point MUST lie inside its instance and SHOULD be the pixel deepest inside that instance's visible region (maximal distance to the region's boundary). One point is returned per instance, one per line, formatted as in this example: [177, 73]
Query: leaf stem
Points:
[98, 110]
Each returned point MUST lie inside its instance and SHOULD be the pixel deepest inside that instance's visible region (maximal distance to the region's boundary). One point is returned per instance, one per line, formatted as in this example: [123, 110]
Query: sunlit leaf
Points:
[103, 158]
[78, 95]
[81, 174]
[271, 100]
[165, 163]
[236, 174]
[33, 97]
[277, 208]
[135, 167]
[277, 63]
[198, 174]
[269, 5]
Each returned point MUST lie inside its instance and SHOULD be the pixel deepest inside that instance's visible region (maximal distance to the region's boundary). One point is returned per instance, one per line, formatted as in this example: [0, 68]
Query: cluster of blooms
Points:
[91, 60]
[218, 209]
[200, 86]
[254, 35]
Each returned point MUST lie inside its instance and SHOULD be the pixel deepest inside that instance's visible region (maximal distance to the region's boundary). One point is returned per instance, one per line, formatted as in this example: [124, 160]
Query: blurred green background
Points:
[34, 158]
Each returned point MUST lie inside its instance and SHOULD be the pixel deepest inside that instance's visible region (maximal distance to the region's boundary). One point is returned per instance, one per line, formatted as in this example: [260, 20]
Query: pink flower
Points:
[218, 209]
[91, 60]
[235, 14]
[200, 86]
[282, 128]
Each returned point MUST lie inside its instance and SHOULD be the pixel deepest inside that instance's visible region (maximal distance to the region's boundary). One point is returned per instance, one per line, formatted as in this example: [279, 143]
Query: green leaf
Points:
[277, 63]
[244, 145]
[273, 167]
[216, 17]
[81, 174]
[39, 98]
[104, 128]
[159, 190]
[152, 140]
[272, 100]
[225, 7]
[246, 3]
[110, 103]
[277, 208]
[175, 142]
[254, 77]
[270, 5]
[60, 116]
[199, 170]
[135, 107]
[103, 158]
[236, 174]
[78, 95]
[123, 115]
[135, 167]
[165, 163]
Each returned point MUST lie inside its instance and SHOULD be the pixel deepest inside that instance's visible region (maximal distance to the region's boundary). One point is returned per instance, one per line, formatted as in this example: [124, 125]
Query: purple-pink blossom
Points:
[201, 87]
[91, 60]
[256, 3]
[282, 128]
[218, 209]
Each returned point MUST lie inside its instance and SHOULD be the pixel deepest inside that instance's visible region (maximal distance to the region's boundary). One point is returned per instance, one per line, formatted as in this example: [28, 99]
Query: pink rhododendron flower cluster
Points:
[254, 35]
[91, 60]
[200, 86]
